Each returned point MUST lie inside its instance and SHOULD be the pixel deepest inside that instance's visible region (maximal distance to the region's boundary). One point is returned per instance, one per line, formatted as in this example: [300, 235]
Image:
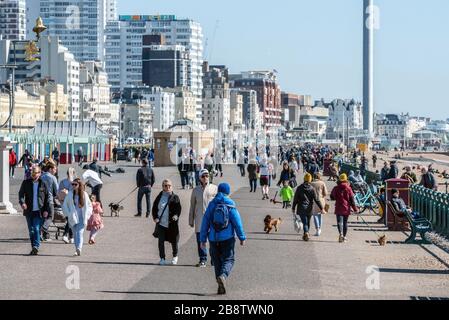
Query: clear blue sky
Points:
[317, 46]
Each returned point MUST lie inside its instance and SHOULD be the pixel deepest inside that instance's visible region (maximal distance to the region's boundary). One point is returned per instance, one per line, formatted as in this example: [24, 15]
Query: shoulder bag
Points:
[156, 229]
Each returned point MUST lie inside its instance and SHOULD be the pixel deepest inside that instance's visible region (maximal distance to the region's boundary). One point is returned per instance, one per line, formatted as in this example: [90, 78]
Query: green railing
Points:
[370, 176]
[432, 205]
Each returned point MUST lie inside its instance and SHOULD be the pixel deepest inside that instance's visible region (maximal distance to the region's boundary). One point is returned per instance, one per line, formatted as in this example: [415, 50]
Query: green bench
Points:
[421, 226]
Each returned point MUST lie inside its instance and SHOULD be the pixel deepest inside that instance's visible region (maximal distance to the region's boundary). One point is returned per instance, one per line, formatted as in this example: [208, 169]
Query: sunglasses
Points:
[75, 184]
[205, 176]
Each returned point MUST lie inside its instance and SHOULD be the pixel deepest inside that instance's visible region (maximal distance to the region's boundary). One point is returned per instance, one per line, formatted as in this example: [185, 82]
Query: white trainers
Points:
[318, 233]
[72, 241]
[174, 261]
[345, 239]
[65, 239]
[162, 262]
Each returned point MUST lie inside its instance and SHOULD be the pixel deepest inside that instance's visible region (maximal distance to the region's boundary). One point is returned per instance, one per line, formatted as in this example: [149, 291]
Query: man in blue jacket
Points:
[220, 224]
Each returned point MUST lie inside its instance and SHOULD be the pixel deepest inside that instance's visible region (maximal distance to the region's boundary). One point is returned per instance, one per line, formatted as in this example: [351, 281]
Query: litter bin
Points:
[326, 167]
[403, 186]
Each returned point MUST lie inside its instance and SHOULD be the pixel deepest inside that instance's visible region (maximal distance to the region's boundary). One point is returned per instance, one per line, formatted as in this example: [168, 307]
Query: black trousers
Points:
[96, 192]
[162, 238]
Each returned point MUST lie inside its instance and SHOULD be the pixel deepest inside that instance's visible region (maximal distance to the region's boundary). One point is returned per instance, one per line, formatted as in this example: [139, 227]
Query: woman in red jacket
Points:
[344, 197]
[12, 162]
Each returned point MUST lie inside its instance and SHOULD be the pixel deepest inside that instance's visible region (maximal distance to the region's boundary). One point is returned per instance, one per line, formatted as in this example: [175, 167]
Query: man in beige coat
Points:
[199, 201]
[321, 192]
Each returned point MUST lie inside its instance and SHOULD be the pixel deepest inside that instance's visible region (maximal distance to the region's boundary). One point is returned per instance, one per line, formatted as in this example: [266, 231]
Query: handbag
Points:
[156, 229]
[297, 224]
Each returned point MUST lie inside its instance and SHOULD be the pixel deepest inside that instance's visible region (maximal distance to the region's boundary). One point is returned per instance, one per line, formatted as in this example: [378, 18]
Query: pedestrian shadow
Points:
[134, 264]
[413, 271]
[14, 240]
[159, 293]
[275, 234]
[273, 239]
[28, 255]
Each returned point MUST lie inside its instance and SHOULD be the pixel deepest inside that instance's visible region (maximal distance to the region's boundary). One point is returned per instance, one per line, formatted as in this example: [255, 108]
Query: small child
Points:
[95, 222]
[286, 195]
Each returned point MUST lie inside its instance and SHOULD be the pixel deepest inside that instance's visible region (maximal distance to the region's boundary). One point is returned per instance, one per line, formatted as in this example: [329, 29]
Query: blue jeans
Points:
[78, 232]
[222, 254]
[197, 178]
[305, 219]
[144, 191]
[34, 222]
[342, 224]
[253, 184]
[318, 220]
[202, 253]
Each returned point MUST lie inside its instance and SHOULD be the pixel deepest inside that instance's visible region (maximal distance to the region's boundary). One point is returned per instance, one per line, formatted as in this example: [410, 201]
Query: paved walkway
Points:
[123, 264]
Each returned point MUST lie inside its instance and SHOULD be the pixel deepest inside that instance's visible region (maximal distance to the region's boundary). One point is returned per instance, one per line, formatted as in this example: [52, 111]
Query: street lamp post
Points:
[12, 89]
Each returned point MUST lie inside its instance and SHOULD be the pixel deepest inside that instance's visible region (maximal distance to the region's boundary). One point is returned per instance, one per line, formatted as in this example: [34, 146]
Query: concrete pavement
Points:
[123, 263]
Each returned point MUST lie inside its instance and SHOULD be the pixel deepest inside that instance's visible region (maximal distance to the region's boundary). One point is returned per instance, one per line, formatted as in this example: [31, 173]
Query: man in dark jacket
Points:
[145, 180]
[305, 195]
[394, 171]
[428, 180]
[35, 200]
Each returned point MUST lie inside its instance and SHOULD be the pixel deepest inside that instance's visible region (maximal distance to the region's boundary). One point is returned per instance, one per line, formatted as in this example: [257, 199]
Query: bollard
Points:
[6, 206]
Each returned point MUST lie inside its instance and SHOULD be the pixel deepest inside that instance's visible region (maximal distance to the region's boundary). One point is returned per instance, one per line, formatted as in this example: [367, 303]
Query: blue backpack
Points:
[220, 219]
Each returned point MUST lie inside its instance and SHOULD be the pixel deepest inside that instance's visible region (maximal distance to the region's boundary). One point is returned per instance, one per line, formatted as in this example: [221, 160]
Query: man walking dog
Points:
[145, 180]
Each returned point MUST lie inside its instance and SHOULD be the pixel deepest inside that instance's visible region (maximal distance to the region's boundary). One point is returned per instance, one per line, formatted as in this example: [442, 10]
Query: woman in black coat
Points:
[166, 211]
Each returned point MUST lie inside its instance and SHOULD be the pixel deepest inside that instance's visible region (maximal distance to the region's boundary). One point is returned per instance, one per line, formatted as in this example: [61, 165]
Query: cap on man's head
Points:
[343, 177]
[224, 188]
[204, 172]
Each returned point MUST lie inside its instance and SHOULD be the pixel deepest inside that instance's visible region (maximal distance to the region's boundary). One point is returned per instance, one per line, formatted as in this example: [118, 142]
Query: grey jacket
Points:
[199, 202]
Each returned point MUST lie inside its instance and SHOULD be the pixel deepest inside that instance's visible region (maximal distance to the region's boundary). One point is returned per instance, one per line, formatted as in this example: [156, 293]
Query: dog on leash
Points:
[271, 223]
[382, 240]
[115, 209]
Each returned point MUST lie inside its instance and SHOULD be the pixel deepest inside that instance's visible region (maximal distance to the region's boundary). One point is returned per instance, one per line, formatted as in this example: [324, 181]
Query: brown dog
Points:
[271, 223]
[382, 240]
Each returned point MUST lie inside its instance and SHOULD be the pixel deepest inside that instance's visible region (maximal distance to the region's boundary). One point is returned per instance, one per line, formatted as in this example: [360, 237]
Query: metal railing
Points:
[432, 205]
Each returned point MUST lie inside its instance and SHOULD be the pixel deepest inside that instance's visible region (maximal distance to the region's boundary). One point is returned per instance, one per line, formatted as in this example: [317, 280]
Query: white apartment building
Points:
[59, 65]
[216, 113]
[80, 24]
[13, 19]
[236, 105]
[185, 104]
[163, 105]
[56, 63]
[314, 120]
[345, 114]
[94, 94]
[137, 120]
[124, 48]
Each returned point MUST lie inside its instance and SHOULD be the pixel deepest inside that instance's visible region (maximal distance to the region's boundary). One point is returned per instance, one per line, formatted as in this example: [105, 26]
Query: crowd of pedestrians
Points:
[212, 213]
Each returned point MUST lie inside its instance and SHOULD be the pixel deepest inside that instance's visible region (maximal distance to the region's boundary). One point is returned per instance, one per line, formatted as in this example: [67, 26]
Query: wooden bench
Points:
[419, 225]
[399, 219]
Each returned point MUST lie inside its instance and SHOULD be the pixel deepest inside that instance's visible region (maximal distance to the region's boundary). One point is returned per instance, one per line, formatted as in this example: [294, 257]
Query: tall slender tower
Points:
[369, 24]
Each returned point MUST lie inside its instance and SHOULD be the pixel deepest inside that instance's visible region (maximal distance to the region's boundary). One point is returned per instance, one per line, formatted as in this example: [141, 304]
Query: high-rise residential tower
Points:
[124, 49]
[79, 24]
[13, 19]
